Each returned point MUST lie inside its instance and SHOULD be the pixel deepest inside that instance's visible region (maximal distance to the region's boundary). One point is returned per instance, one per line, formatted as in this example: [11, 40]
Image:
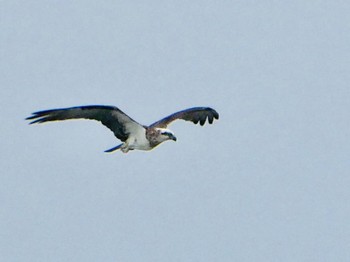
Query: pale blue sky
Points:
[269, 181]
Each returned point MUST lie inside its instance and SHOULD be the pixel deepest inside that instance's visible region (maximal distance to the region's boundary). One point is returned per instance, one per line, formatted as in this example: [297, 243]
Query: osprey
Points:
[131, 133]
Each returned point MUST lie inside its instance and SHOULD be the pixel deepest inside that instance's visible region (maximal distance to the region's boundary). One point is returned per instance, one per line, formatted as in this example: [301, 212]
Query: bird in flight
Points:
[131, 133]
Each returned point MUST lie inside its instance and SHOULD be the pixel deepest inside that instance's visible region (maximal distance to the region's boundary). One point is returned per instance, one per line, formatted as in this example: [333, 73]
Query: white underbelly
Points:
[139, 142]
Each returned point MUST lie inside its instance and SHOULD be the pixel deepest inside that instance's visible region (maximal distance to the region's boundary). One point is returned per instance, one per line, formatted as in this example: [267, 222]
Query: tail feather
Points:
[113, 148]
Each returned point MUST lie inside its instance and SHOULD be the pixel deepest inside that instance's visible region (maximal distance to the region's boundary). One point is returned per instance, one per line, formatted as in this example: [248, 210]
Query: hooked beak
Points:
[172, 137]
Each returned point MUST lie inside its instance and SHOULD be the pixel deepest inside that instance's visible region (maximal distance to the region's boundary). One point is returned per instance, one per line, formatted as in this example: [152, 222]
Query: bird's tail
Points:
[113, 149]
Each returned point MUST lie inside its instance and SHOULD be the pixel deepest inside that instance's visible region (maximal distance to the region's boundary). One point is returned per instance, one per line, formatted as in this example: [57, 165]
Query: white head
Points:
[165, 134]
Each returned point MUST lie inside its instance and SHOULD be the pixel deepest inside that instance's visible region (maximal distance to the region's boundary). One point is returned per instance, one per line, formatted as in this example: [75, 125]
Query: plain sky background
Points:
[269, 181]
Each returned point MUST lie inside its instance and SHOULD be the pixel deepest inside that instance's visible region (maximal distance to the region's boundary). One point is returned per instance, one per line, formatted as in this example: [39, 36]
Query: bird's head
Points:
[166, 134]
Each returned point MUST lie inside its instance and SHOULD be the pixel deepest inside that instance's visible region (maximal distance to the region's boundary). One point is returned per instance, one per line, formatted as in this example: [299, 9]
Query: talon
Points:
[125, 148]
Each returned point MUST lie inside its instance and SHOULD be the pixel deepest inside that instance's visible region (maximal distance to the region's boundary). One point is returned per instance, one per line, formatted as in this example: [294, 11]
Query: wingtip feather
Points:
[37, 118]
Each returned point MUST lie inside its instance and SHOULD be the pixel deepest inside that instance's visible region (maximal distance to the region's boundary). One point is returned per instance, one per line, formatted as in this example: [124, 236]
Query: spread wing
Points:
[195, 115]
[113, 118]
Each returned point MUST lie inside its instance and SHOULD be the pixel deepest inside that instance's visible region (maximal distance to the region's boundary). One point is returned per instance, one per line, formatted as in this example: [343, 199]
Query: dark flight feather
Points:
[112, 117]
[195, 115]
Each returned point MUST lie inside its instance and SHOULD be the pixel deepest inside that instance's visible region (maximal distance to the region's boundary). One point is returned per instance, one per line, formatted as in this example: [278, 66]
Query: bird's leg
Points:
[129, 144]
[125, 147]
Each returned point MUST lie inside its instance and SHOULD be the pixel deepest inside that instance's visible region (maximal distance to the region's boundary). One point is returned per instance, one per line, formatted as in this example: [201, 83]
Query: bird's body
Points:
[132, 134]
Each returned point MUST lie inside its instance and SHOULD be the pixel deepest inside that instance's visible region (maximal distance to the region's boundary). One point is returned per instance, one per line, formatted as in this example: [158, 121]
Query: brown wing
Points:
[113, 118]
[195, 115]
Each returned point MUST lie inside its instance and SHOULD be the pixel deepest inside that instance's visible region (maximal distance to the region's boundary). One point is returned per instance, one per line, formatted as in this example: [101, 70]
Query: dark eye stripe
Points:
[167, 134]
